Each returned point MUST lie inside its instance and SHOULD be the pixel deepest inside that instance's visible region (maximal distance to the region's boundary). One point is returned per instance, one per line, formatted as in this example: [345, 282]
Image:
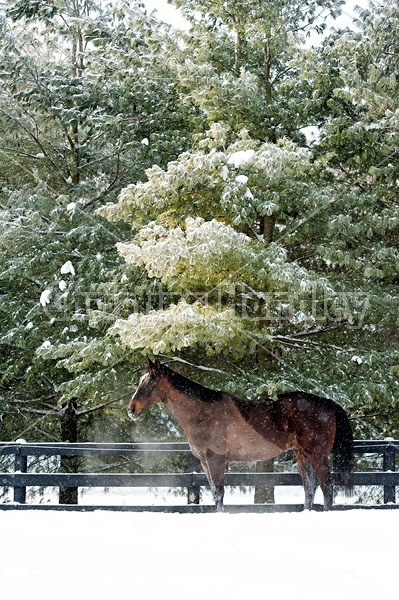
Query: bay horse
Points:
[221, 428]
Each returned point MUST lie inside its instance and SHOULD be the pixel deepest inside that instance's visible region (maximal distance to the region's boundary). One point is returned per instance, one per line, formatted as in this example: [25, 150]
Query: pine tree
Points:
[267, 260]
[278, 260]
[354, 84]
[83, 112]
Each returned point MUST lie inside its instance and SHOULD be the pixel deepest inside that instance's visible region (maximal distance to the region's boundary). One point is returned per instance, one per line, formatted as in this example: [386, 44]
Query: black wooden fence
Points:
[193, 479]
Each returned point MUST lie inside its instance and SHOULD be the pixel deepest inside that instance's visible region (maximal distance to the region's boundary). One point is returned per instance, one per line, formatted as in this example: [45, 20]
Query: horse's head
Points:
[149, 390]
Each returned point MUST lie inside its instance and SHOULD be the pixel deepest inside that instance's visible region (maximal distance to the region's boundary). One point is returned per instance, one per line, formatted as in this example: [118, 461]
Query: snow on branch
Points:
[180, 326]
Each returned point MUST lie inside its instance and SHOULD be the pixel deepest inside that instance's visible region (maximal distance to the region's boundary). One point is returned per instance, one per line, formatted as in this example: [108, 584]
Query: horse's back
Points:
[311, 418]
[305, 401]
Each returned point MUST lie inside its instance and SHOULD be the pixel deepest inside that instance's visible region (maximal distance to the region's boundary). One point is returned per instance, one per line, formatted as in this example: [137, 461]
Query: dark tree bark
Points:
[69, 433]
[264, 494]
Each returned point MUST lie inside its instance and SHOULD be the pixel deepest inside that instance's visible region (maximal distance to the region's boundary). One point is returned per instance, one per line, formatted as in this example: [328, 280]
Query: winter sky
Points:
[170, 14]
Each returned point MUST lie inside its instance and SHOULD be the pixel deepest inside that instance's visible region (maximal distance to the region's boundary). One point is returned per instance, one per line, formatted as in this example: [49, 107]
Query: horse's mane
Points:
[191, 388]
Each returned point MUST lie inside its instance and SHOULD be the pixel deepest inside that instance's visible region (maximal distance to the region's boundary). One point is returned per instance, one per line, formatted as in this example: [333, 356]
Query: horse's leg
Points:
[214, 467]
[308, 478]
[319, 462]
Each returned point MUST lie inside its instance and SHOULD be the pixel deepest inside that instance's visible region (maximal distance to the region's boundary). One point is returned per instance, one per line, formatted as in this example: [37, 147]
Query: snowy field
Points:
[51, 555]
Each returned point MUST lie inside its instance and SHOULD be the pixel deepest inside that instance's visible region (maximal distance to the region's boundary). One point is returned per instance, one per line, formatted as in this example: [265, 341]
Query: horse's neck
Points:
[183, 407]
[179, 404]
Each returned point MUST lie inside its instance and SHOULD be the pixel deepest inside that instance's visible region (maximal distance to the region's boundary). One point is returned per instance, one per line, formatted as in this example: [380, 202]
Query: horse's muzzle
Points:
[132, 415]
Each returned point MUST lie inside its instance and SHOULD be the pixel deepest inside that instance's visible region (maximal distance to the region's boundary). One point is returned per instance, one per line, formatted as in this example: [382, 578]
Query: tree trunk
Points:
[237, 51]
[74, 154]
[69, 464]
[267, 228]
[73, 130]
[264, 494]
[267, 72]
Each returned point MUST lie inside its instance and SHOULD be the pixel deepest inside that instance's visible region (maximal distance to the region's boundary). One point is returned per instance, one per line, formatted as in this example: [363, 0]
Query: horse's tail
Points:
[342, 450]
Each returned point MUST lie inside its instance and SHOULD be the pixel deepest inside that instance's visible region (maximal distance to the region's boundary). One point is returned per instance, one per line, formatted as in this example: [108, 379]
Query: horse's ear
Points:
[153, 365]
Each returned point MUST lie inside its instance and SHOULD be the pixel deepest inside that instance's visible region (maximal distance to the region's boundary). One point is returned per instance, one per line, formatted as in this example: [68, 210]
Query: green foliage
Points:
[181, 326]
[298, 243]
[56, 260]
[83, 112]
[240, 62]
[98, 113]
[231, 243]
[239, 182]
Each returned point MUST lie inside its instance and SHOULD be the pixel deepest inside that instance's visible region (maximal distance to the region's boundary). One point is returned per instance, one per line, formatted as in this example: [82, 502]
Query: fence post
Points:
[20, 466]
[193, 491]
[388, 464]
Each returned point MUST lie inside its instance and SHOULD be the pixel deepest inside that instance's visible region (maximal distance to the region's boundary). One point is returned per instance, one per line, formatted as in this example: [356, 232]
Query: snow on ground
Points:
[178, 496]
[103, 555]
[125, 496]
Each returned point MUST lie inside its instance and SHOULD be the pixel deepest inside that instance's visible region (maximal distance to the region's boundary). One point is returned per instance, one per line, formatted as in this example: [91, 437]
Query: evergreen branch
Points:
[290, 340]
[319, 330]
[110, 185]
[87, 411]
[35, 411]
[33, 137]
[38, 132]
[367, 416]
[199, 367]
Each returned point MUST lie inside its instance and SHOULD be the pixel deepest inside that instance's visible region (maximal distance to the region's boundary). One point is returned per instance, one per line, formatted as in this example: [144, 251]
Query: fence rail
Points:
[21, 479]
